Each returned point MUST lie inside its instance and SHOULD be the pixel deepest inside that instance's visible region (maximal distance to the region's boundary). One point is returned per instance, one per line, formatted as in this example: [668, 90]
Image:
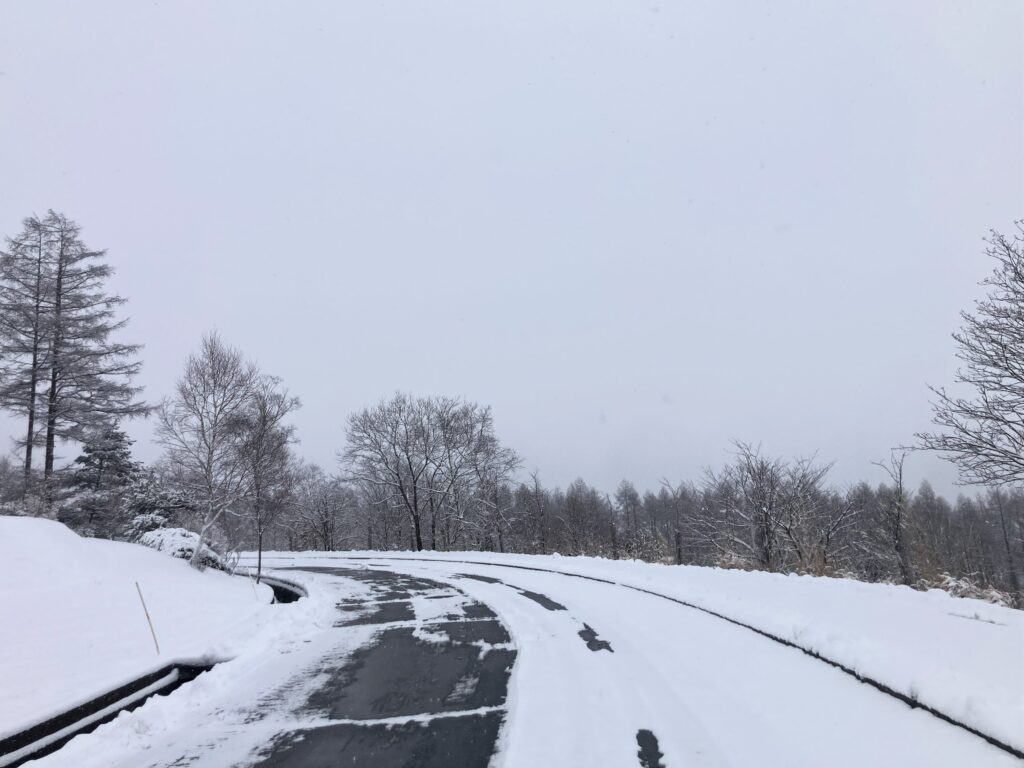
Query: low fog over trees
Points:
[417, 472]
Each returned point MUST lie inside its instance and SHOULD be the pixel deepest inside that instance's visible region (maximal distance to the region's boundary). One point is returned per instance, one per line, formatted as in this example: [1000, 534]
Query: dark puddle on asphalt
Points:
[593, 643]
[650, 755]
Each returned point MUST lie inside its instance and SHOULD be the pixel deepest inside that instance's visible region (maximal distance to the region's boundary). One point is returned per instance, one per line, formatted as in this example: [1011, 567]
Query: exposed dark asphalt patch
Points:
[593, 643]
[544, 600]
[475, 577]
[650, 755]
[450, 742]
[469, 632]
[537, 597]
[381, 613]
[403, 675]
[475, 610]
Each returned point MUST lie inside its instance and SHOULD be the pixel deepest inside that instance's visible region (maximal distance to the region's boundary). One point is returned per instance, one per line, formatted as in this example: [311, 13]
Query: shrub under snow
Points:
[179, 542]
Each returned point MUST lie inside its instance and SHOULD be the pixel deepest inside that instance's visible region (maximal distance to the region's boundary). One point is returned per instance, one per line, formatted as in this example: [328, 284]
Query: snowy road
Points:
[710, 693]
[474, 664]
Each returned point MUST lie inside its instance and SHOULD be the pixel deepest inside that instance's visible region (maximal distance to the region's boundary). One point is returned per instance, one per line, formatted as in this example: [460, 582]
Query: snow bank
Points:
[73, 626]
[961, 656]
[225, 715]
[180, 543]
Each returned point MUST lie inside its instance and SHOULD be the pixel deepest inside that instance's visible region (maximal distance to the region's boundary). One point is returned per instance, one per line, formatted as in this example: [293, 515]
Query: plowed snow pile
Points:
[72, 625]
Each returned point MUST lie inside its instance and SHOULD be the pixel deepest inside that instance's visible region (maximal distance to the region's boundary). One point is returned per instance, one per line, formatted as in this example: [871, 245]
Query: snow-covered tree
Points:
[62, 369]
[89, 373]
[983, 431]
[199, 428]
[149, 503]
[93, 485]
[25, 285]
[263, 446]
[323, 513]
[436, 459]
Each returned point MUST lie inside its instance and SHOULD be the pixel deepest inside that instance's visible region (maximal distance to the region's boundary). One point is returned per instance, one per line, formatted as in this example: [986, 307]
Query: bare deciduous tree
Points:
[199, 428]
[894, 515]
[438, 460]
[263, 444]
[984, 434]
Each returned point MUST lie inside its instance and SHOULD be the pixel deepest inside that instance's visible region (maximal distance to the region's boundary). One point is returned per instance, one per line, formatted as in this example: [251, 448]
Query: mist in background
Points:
[637, 231]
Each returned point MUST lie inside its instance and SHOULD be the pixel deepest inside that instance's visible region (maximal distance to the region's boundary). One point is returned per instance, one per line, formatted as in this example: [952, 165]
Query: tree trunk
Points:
[417, 537]
[55, 363]
[259, 555]
[34, 376]
[30, 437]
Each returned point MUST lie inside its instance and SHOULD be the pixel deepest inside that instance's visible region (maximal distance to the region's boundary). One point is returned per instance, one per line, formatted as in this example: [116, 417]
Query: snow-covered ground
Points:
[962, 657]
[227, 715]
[712, 693]
[73, 627]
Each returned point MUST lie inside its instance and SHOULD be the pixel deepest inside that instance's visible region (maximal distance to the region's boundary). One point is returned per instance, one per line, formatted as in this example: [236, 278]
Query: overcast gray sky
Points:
[636, 229]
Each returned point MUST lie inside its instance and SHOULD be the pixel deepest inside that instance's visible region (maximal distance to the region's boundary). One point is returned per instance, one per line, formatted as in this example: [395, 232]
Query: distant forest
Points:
[430, 472]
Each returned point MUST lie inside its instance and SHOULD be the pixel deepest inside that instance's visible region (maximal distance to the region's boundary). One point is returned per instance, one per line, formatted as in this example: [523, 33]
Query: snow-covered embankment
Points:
[73, 626]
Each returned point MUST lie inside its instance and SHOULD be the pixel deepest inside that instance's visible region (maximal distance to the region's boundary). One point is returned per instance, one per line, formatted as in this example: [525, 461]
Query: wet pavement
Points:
[429, 691]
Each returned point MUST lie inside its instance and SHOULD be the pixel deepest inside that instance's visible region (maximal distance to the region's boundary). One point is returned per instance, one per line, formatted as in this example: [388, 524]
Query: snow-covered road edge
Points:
[873, 657]
[121, 695]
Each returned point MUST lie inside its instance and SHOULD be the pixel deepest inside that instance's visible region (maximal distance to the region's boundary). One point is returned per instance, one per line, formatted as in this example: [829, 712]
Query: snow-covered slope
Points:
[962, 657]
[72, 625]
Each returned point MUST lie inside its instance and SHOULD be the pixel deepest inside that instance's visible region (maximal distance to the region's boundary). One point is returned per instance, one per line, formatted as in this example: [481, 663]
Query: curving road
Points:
[606, 676]
[433, 664]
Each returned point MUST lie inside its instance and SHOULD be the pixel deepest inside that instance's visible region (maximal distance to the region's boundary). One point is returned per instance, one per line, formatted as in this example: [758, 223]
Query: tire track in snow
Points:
[869, 681]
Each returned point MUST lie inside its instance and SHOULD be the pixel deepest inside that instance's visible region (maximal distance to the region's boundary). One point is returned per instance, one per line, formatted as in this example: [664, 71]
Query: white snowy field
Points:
[962, 657]
[73, 627]
[713, 694]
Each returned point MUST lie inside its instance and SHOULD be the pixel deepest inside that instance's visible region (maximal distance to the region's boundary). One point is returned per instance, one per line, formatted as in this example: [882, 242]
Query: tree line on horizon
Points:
[431, 473]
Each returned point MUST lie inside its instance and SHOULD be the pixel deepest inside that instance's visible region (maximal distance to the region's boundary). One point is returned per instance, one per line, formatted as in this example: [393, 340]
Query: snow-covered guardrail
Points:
[50, 735]
[285, 590]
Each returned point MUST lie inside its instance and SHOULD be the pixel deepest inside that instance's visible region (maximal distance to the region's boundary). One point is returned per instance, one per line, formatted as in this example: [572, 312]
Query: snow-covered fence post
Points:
[149, 620]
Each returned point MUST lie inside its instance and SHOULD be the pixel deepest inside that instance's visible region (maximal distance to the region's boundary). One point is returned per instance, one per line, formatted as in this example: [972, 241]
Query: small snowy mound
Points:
[181, 543]
[73, 622]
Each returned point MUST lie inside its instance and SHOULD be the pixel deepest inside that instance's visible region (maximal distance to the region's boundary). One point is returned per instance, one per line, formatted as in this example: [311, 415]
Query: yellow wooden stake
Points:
[146, 611]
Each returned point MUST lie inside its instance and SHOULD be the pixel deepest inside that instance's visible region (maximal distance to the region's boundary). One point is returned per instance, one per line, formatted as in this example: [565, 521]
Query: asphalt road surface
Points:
[470, 665]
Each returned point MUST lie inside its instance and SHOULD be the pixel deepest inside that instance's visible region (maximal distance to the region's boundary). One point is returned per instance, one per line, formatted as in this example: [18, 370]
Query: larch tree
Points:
[90, 373]
[25, 279]
[62, 362]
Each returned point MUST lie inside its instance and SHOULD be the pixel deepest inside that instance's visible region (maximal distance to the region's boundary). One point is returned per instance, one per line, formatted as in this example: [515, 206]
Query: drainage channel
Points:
[50, 735]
